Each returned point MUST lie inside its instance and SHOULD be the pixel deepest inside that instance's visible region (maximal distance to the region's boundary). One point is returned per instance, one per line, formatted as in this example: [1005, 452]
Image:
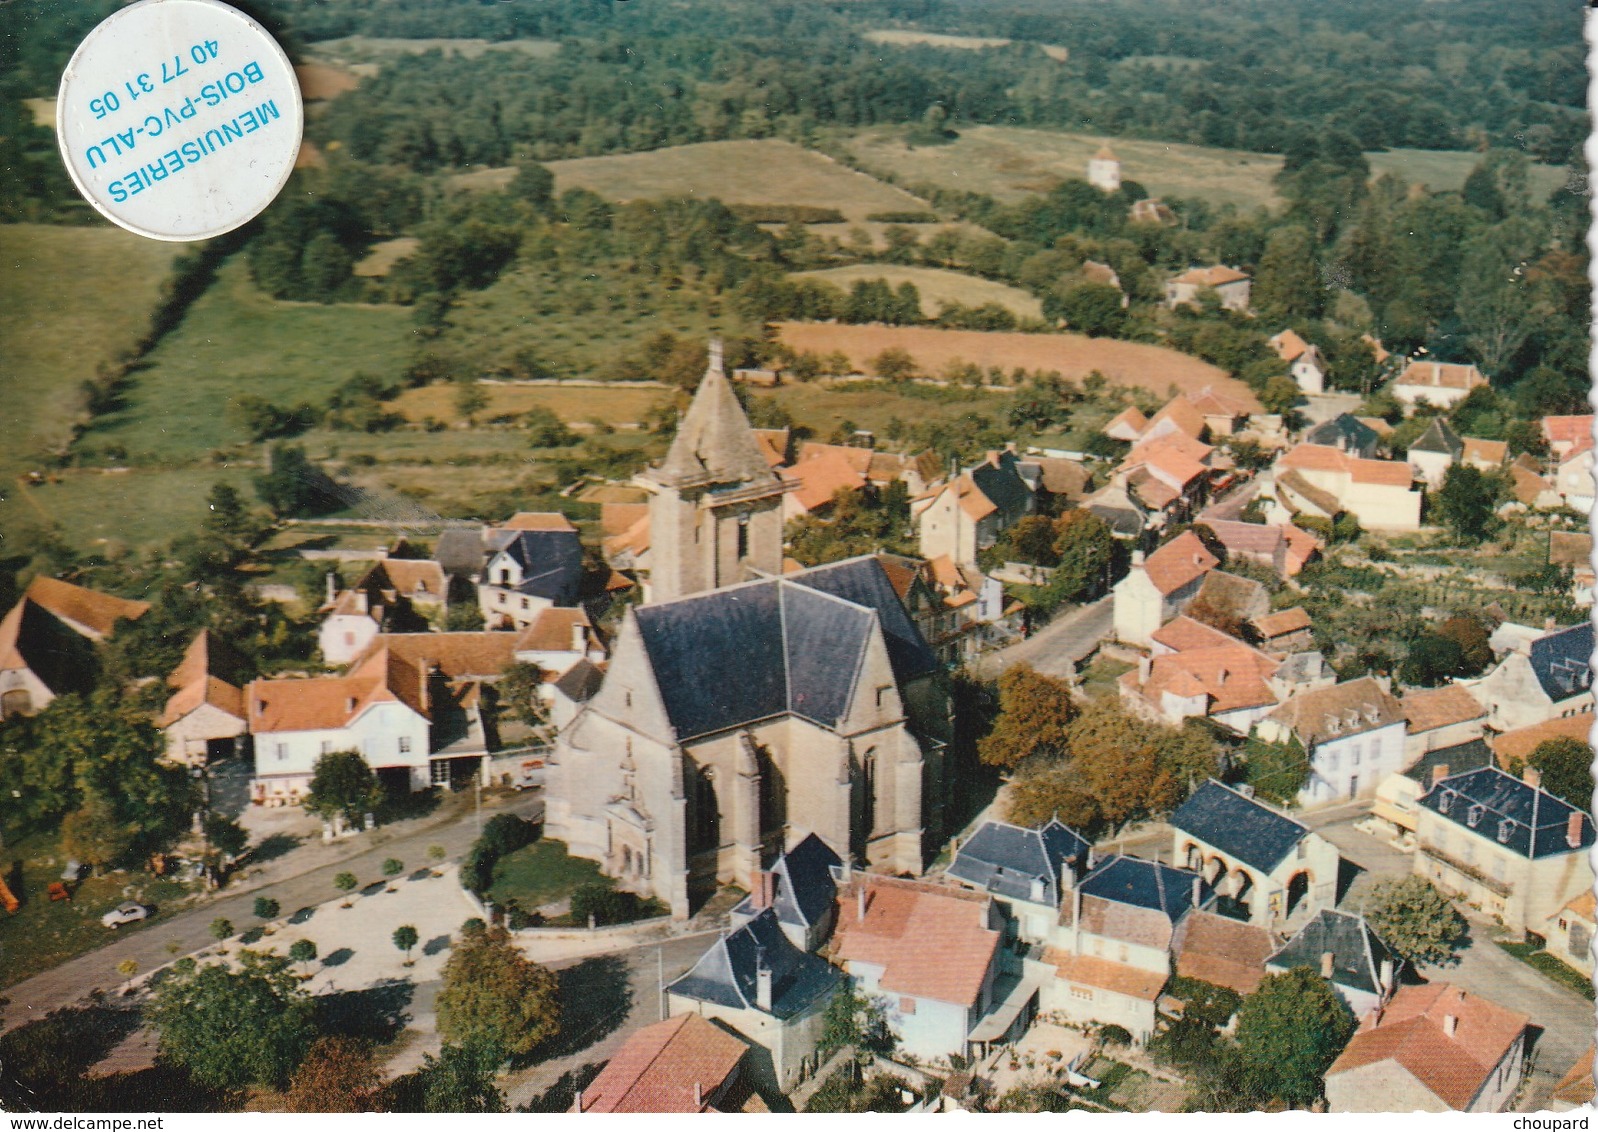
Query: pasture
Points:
[1073, 356]
[936, 286]
[736, 172]
[1442, 170]
[874, 406]
[321, 81]
[237, 340]
[70, 298]
[382, 257]
[134, 507]
[614, 404]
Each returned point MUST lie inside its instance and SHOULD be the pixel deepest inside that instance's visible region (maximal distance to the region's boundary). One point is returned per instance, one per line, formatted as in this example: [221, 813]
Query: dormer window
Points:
[1446, 802]
[1505, 828]
[1473, 816]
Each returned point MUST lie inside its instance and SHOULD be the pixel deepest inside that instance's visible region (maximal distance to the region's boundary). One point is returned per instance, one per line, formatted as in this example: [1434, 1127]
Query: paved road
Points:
[1056, 649]
[301, 878]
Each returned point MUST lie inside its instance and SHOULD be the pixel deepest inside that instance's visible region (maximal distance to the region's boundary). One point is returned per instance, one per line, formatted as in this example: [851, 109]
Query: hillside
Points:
[936, 286]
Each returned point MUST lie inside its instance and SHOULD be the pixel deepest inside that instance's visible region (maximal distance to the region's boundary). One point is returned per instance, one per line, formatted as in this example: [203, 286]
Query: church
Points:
[744, 709]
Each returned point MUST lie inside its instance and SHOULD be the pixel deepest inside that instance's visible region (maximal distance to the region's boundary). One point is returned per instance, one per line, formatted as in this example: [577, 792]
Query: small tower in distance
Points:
[1104, 170]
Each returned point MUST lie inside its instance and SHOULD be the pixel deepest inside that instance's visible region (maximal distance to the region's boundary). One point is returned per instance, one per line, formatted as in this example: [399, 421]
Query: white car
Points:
[129, 913]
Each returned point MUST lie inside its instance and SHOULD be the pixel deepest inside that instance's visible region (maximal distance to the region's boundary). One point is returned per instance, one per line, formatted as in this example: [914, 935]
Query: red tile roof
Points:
[206, 690]
[416, 576]
[773, 444]
[931, 941]
[822, 470]
[1120, 978]
[1288, 345]
[1481, 451]
[1183, 414]
[1430, 708]
[1128, 423]
[1221, 950]
[1283, 622]
[1560, 431]
[1412, 1031]
[1522, 741]
[551, 631]
[1179, 562]
[1183, 633]
[95, 611]
[1216, 276]
[1233, 676]
[1576, 1087]
[462, 655]
[537, 521]
[1441, 375]
[1390, 473]
[673, 1066]
[330, 702]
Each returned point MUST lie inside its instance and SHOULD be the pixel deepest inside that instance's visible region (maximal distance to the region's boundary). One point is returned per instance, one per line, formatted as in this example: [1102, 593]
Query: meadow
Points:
[1073, 356]
[869, 405]
[936, 286]
[135, 508]
[614, 404]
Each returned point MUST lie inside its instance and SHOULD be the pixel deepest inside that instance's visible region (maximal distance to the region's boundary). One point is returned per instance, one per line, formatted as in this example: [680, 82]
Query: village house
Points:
[45, 648]
[1224, 414]
[1344, 950]
[1434, 452]
[801, 890]
[1228, 682]
[1573, 478]
[930, 952]
[1152, 211]
[535, 569]
[820, 472]
[1576, 1088]
[1436, 383]
[1104, 170]
[1104, 274]
[624, 537]
[1230, 284]
[1352, 734]
[1566, 434]
[681, 1064]
[1221, 951]
[1440, 717]
[1346, 433]
[1128, 425]
[1569, 933]
[1304, 362]
[1285, 632]
[1159, 587]
[1483, 455]
[972, 510]
[558, 638]
[1432, 1048]
[1572, 550]
[1324, 482]
[1112, 949]
[1504, 845]
[773, 995]
[1551, 678]
[676, 777]
[1262, 863]
[1396, 805]
[1170, 473]
[1531, 488]
[1255, 542]
[1522, 741]
[1027, 871]
[374, 604]
[380, 710]
[203, 720]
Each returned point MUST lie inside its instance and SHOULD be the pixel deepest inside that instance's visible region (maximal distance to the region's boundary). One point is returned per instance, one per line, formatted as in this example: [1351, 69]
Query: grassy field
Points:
[237, 340]
[823, 408]
[324, 80]
[904, 38]
[1009, 163]
[614, 404]
[69, 299]
[736, 172]
[937, 287]
[1072, 355]
[137, 508]
[542, 873]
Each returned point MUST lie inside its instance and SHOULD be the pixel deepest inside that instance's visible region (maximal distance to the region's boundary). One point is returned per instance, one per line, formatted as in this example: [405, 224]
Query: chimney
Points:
[762, 888]
[1439, 772]
[332, 587]
[1198, 888]
[763, 985]
[1573, 830]
[1145, 665]
[579, 637]
[360, 601]
[1532, 777]
[1450, 1025]
[1387, 975]
[1326, 964]
[1067, 877]
[699, 1092]
[423, 671]
[578, 1106]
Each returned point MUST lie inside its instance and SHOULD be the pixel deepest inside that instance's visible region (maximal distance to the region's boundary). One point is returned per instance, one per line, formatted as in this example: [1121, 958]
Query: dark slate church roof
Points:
[1529, 821]
[734, 656]
[805, 888]
[725, 974]
[1562, 661]
[1357, 951]
[551, 562]
[1146, 884]
[1239, 827]
[1469, 755]
[1005, 859]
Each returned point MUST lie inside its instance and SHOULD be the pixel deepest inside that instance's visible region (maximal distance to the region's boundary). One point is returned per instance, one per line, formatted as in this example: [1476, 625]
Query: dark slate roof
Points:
[1355, 435]
[1472, 754]
[551, 562]
[725, 974]
[1146, 884]
[805, 888]
[1357, 951]
[1005, 859]
[1002, 483]
[1439, 438]
[1562, 661]
[864, 581]
[460, 552]
[1240, 827]
[581, 681]
[1529, 821]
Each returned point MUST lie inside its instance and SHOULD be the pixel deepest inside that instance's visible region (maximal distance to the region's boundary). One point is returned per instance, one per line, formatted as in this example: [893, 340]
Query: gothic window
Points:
[704, 819]
[743, 536]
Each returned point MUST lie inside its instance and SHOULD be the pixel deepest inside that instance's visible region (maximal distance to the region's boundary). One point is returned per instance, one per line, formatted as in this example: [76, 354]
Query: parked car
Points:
[128, 913]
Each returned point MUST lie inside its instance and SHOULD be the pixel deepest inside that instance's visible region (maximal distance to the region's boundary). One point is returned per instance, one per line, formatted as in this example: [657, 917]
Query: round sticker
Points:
[179, 119]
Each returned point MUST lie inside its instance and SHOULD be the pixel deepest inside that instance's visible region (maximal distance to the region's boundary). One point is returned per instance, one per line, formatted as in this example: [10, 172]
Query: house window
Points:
[1331, 761]
[282, 751]
[404, 744]
[500, 598]
[524, 603]
[907, 1005]
[1353, 758]
[743, 536]
[1121, 954]
[327, 746]
[1084, 993]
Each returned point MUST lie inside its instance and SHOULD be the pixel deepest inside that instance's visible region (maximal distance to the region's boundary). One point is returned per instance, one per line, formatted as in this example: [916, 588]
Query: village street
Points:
[1057, 648]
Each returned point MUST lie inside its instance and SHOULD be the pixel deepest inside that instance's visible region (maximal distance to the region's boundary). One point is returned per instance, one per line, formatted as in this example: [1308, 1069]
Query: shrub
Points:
[605, 904]
[477, 870]
[393, 867]
[221, 928]
[1112, 1035]
[266, 908]
[507, 833]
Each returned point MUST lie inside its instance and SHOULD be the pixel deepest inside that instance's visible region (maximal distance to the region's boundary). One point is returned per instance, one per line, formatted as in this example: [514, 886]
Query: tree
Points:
[1116, 756]
[221, 928]
[545, 429]
[95, 834]
[1086, 556]
[393, 867]
[1093, 309]
[534, 184]
[1431, 661]
[853, 1019]
[1030, 540]
[337, 1075]
[303, 952]
[1465, 503]
[470, 399]
[1566, 768]
[599, 903]
[1287, 284]
[266, 908]
[1288, 1032]
[893, 364]
[405, 938]
[519, 693]
[1034, 714]
[293, 485]
[460, 1079]
[1280, 395]
[225, 835]
[1052, 791]
[346, 883]
[231, 1028]
[494, 995]
[1414, 919]
[1473, 640]
[342, 785]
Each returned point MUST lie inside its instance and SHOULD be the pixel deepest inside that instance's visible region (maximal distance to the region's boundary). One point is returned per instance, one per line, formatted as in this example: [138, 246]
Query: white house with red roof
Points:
[682, 1064]
[1229, 283]
[970, 511]
[1304, 361]
[1564, 434]
[1433, 1048]
[1322, 481]
[1436, 383]
[1158, 587]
